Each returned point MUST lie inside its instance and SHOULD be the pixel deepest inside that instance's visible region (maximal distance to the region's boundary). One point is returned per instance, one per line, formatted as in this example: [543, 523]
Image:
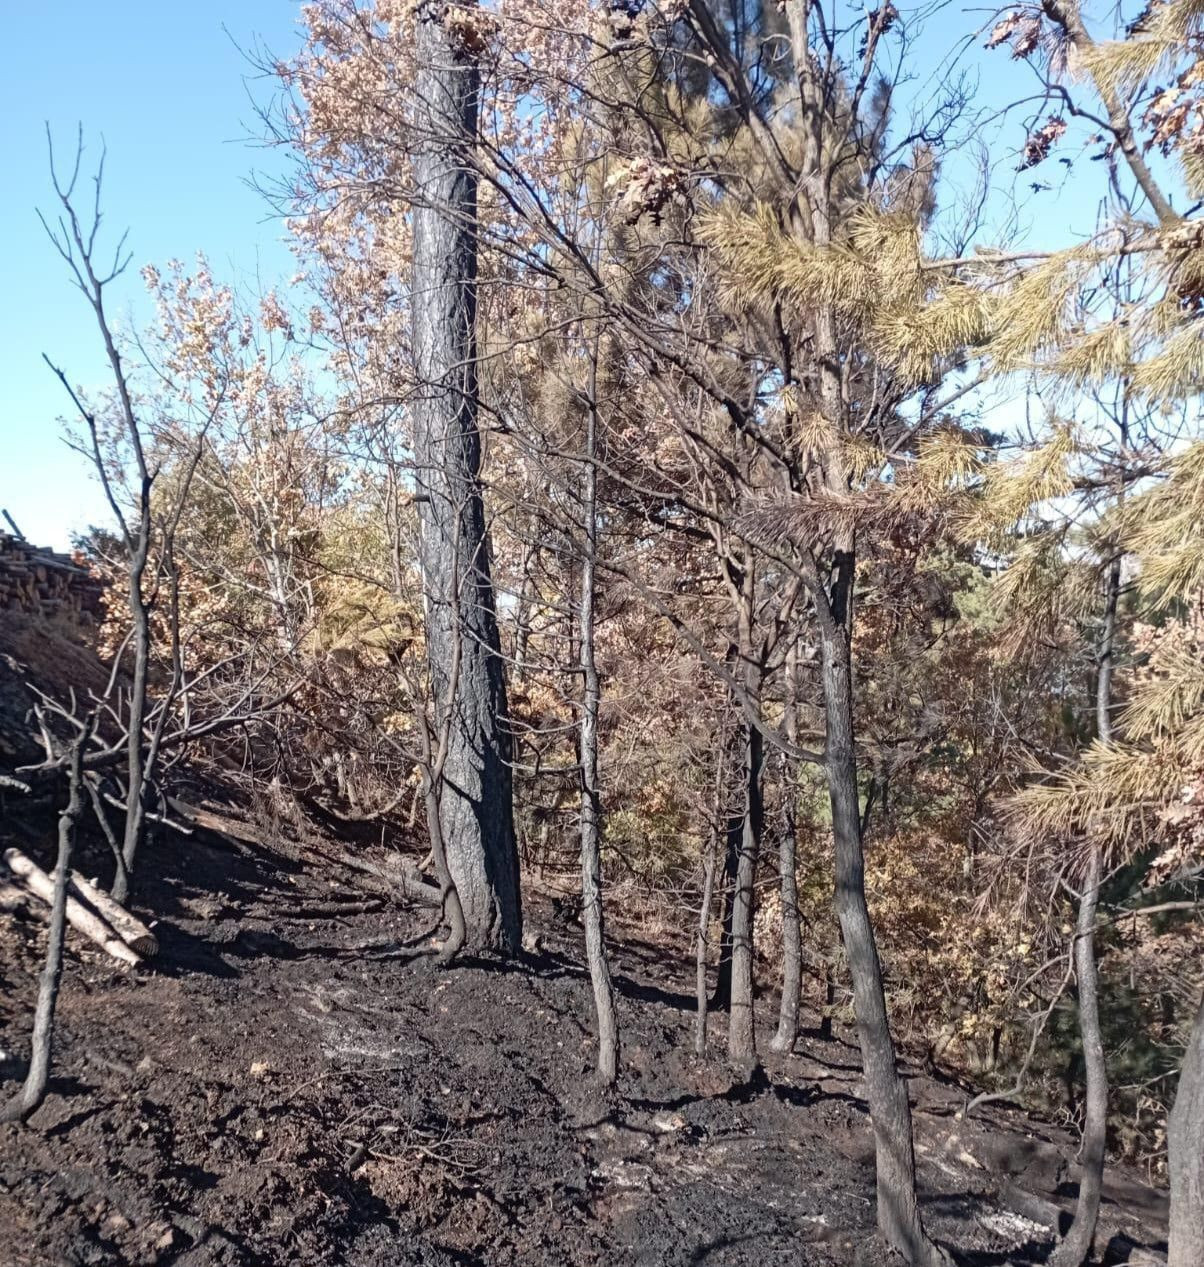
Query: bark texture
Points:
[1185, 1152]
[890, 1111]
[476, 810]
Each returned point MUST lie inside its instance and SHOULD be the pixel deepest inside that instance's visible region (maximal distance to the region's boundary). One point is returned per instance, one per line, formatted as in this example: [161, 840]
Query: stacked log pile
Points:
[44, 583]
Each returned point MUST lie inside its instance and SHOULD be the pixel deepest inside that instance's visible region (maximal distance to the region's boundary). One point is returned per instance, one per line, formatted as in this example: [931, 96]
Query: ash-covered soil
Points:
[277, 1088]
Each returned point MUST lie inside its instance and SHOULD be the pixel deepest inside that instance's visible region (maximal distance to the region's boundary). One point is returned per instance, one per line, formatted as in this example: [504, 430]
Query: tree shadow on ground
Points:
[705, 1252]
[757, 1085]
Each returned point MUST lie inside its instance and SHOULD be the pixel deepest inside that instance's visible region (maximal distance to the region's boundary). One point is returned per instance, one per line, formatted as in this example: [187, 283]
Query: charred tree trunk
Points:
[721, 999]
[33, 1090]
[434, 762]
[1185, 1155]
[476, 809]
[890, 1111]
[1075, 1248]
[741, 1031]
[449, 896]
[710, 851]
[792, 941]
[1073, 1251]
[700, 949]
[591, 800]
[829, 1009]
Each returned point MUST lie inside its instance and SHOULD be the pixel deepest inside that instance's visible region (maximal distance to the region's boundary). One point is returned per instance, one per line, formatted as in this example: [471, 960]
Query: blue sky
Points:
[168, 88]
[164, 84]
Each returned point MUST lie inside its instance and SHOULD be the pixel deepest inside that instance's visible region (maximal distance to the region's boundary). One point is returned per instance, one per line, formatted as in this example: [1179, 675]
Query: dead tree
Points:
[476, 810]
[33, 1090]
[76, 243]
[74, 236]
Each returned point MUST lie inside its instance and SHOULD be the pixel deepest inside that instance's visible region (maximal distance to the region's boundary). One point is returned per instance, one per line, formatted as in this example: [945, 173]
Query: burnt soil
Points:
[277, 1087]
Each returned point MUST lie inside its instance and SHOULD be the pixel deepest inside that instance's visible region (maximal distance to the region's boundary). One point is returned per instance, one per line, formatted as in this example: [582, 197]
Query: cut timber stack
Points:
[44, 583]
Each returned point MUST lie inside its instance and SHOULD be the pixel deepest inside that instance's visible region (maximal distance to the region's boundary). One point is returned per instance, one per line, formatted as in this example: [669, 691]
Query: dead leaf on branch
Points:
[1041, 142]
[1021, 30]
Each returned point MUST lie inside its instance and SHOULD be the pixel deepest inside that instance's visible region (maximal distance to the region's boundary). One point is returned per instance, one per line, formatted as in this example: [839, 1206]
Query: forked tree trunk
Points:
[591, 800]
[33, 1090]
[1185, 1155]
[1073, 1251]
[890, 1112]
[476, 809]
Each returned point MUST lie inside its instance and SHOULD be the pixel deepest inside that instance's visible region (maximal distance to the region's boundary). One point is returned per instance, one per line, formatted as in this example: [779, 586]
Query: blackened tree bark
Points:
[701, 944]
[710, 853]
[432, 765]
[33, 1090]
[733, 830]
[741, 1032]
[890, 1111]
[1073, 1251]
[136, 763]
[792, 941]
[476, 809]
[75, 240]
[1185, 1155]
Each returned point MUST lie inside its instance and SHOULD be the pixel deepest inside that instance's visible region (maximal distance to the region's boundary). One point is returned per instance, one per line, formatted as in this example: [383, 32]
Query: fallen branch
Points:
[12, 896]
[79, 916]
[206, 819]
[129, 927]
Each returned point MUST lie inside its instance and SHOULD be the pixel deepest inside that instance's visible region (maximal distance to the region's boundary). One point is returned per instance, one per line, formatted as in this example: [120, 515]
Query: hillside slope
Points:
[279, 1088]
